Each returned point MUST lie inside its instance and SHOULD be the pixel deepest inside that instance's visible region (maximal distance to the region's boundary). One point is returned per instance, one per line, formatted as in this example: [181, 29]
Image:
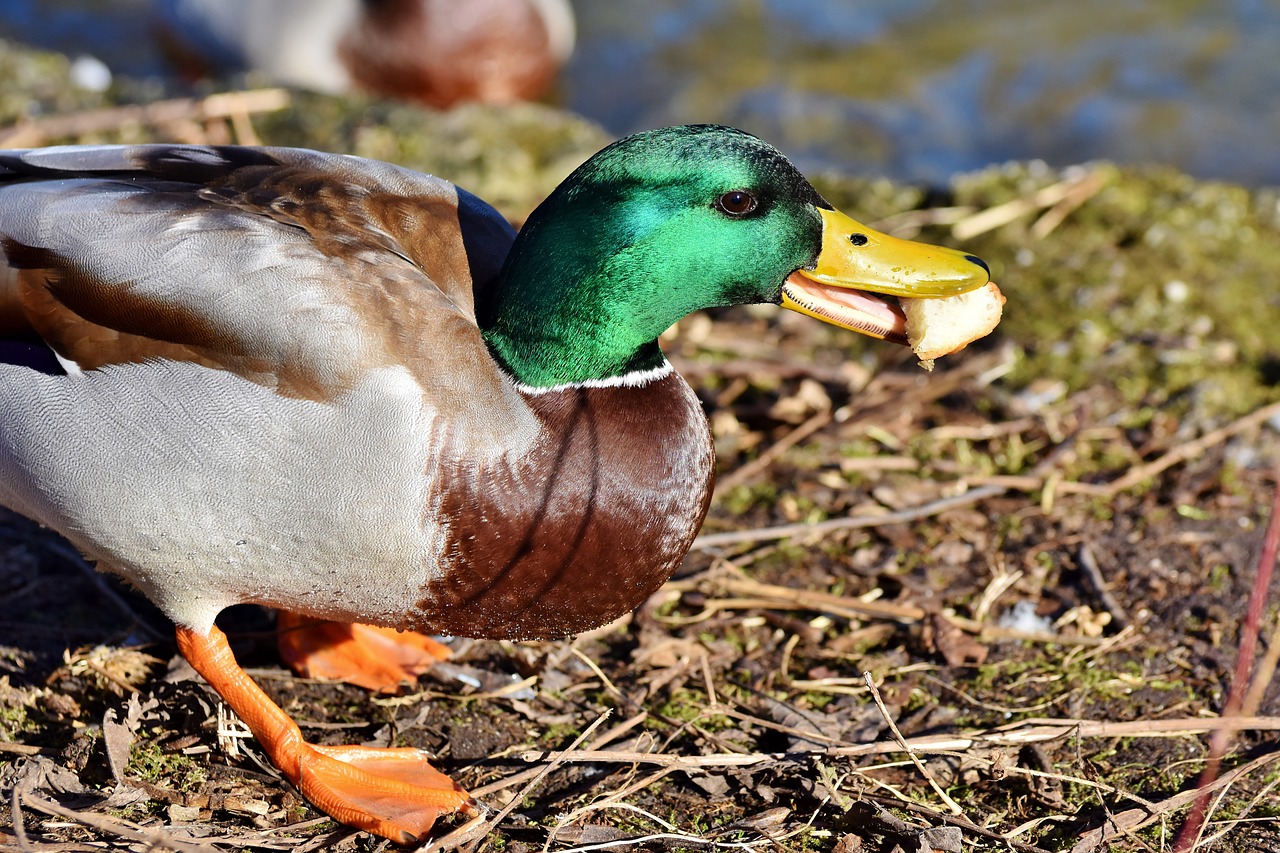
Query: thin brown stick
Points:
[1134, 477]
[117, 827]
[825, 601]
[617, 730]
[514, 780]
[595, 667]
[473, 829]
[754, 595]
[661, 759]
[951, 804]
[779, 447]
[1091, 570]
[19, 820]
[767, 534]
[1192, 449]
[1130, 821]
[953, 820]
[614, 800]
[554, 763]
[1035, 730]
[1221, 739]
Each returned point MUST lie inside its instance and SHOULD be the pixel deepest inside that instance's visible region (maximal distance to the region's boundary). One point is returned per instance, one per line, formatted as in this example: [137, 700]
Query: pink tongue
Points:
[852, 309]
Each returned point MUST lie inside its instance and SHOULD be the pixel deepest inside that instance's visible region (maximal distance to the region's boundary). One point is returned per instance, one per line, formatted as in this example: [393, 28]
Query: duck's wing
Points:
[294, 269]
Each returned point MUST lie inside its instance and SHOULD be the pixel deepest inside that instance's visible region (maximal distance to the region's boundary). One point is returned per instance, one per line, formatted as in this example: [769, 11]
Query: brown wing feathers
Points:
[182, 252]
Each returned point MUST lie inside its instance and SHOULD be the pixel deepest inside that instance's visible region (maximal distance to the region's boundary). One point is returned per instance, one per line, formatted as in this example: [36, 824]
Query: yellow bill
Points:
[857, 266]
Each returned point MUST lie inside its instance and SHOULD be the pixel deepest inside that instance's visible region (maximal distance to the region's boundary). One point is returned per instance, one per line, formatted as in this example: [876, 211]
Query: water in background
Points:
[912, 89]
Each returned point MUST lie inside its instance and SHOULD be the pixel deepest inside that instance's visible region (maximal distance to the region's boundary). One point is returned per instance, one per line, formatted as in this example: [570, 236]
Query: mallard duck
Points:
[436, 52]
[350, 391]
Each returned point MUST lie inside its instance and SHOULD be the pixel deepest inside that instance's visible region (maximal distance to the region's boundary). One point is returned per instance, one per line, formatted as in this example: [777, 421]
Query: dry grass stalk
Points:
[708, 541]
[481, 826]
[747, 594]
[1192, 449]
[116, 827]
[1130, 821]
[781, 446]
[1035, 730]
[910, 223]
[1060, 198]
[186, 115]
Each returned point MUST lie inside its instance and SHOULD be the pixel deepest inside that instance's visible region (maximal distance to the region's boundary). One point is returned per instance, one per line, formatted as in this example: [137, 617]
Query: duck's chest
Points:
[583, 527]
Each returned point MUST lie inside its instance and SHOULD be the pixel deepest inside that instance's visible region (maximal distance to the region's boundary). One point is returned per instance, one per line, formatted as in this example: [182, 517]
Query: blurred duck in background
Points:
[436, 52]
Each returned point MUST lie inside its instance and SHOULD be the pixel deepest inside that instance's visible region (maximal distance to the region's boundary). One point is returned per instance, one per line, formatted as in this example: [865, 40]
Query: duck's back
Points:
[234, 256]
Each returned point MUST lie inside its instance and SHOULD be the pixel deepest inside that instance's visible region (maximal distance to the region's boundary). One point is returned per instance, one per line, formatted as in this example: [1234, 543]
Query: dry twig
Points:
[481, 826]
[1091, 570]
[765, 534]
[1218, 743]
[235, 107]
[1062, 198]
[117, 827]
[781, 446]
[1035, 730]
[951, 804]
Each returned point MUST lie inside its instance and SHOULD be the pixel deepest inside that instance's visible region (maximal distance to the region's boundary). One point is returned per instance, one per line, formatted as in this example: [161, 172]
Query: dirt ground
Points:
[993, 607]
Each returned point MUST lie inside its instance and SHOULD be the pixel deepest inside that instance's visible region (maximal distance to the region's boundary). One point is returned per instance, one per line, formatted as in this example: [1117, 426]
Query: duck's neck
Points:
[579, 314]
[543, 354]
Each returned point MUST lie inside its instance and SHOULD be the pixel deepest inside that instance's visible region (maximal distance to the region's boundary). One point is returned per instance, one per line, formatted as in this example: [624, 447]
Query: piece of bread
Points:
[938, 327]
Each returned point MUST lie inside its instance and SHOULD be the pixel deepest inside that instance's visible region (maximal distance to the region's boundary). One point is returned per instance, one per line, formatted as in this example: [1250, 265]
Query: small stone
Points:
[183, 814]
[241, 805]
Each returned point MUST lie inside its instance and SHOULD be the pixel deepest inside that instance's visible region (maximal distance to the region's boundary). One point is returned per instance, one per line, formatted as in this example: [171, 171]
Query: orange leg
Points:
[394, 793]
[368, 656]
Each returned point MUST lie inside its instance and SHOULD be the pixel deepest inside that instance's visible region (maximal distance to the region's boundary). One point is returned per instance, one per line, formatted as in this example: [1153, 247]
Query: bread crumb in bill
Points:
[938, 327]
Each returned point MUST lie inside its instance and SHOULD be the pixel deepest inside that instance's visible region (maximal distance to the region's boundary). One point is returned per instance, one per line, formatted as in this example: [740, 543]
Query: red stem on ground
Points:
[1221, 738]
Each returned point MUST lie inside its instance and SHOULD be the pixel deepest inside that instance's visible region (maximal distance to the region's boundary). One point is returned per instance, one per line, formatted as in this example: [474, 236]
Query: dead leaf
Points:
[848, 843]
[117, 740]
[956, 646]
[715, 785]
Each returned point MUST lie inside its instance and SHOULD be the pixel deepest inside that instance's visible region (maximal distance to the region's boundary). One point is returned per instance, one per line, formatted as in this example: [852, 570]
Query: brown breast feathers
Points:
[585, 527]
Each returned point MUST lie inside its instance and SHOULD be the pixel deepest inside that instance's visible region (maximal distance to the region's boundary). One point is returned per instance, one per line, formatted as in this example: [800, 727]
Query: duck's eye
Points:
[736, 203]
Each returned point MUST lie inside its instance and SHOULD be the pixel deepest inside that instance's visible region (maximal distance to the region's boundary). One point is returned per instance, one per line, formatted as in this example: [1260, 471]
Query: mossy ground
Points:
[1143, 320]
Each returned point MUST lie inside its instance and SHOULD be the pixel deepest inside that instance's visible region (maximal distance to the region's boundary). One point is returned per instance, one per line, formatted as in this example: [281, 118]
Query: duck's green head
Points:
[670, 221]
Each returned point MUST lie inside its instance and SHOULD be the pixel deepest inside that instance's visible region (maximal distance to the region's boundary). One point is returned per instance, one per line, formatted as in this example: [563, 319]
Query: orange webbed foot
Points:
[394, 793]
[379, 659]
